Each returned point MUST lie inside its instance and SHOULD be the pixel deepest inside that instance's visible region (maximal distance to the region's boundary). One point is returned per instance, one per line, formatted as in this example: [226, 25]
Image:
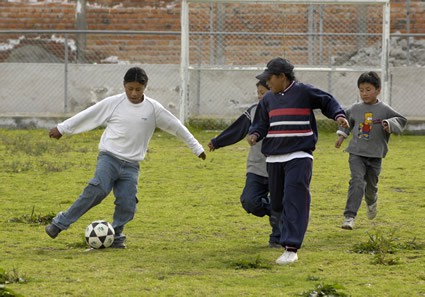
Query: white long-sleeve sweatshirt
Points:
[129, 126]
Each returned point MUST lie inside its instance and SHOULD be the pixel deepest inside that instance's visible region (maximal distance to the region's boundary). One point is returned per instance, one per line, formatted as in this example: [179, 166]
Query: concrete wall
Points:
[29, 100]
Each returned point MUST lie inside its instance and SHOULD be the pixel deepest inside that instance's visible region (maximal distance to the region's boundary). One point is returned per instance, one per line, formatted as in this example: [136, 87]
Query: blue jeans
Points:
[111, 174]
[255, 199]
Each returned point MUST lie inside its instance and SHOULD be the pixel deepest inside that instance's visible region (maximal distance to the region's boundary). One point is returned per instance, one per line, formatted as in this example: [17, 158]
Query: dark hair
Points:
[136, 74]
[289, 75]
[262, 83]
[370, 77]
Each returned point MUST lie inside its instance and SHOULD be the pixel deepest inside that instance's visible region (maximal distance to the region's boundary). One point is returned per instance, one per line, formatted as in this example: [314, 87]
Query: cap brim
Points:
[264, 76]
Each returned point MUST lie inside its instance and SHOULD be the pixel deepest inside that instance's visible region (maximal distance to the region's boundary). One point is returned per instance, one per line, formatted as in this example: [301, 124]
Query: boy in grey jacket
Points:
[255, 196]
[371, 123]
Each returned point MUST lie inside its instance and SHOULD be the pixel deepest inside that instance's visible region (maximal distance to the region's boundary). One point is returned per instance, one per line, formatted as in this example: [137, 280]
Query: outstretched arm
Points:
[167, 122]
[234, 133]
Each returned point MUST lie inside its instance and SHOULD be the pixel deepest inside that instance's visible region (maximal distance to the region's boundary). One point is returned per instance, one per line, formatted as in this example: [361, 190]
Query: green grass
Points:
[190, 236]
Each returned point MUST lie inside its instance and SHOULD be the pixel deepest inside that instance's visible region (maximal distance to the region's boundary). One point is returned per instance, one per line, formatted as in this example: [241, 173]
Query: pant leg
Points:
[254, 196]
[276, 182]
[97, 189]
[356, 187]
[255, 199]
[372, 178]
[296, 201]
[125, 192]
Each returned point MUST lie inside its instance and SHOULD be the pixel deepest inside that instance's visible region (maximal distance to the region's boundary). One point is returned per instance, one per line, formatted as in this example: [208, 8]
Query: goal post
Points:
[225, 43]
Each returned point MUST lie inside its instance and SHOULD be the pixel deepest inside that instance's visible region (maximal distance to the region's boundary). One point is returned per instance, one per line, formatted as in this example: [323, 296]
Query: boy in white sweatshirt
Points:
[130, 119]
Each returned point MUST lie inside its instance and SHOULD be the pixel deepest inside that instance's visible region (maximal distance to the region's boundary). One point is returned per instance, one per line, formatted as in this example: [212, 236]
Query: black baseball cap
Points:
[276, 66]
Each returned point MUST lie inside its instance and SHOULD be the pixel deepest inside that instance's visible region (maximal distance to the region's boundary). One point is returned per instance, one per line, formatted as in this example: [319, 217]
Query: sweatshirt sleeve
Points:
[235, 132]
[395, 121]
[261, 122]
[167, 122]
[88, 119]
[329, 106]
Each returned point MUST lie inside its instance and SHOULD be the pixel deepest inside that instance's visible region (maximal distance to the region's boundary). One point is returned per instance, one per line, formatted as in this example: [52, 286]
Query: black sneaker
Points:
[52, 230]
[275, 245]
[118, 245]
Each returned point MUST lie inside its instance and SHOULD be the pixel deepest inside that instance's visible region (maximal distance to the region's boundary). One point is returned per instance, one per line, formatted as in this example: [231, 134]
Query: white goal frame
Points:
[184, 56]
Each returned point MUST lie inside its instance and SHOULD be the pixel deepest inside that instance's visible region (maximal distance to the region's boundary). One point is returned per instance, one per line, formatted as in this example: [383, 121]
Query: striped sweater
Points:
[286, 120]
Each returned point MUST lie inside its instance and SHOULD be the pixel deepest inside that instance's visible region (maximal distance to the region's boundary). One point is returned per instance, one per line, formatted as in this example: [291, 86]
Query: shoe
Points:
[348, 223]
[118, 245]
[287, 258]
[52, 230]
[275, 245]
[371, 210]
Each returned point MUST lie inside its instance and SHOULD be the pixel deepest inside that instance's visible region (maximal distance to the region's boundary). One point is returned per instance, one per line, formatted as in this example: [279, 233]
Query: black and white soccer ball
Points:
[99, 234]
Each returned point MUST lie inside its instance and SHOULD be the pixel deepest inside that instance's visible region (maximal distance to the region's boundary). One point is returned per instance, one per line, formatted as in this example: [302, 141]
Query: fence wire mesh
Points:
[62, 72]
[230, 43]
[311, 34]
[65, 72]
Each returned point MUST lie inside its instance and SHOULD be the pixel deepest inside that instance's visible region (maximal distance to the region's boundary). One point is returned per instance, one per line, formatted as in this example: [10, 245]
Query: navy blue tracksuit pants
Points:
[289, 185]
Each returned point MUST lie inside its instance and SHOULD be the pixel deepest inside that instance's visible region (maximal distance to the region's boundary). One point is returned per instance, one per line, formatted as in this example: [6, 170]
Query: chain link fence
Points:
[63, 72]
[229, 43]
[226, 46]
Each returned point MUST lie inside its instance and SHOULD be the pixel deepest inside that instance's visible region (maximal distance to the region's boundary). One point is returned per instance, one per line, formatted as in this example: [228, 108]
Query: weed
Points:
[11, 277]
[34, 218]
[412, 245]
[258, 263]
[384, 246]
[324, 290]
[54, 166]
[8, 292]
[313, 278]
[27, 144]
[383, 258]
[17, 166]
[377, 243]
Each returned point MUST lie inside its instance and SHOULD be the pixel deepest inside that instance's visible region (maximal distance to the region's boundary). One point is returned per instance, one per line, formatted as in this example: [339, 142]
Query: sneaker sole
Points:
[371, 217]
[286, 263]
[53, 236]
[346, 227]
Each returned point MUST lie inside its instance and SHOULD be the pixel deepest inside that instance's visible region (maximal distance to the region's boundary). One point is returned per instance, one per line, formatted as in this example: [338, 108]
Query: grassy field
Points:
[190, 236]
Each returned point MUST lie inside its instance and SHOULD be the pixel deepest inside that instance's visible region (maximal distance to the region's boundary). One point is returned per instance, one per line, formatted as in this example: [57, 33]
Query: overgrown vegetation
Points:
[12, 276]
[325, 290]
[34, 218]
[257, 263]
[384, 247]
[6, 292]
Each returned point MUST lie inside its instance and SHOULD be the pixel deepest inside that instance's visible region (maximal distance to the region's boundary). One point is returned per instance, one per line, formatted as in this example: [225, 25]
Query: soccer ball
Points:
[99, 234]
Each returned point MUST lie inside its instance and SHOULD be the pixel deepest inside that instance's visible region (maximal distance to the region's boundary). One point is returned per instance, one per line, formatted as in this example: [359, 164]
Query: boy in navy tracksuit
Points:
[285, 121]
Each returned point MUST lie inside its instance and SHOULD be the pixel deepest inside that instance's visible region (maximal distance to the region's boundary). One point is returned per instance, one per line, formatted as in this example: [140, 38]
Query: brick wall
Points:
[147, 15]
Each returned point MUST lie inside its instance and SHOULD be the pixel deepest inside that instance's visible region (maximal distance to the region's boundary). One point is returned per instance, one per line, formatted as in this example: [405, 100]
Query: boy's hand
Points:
[211, 146]
[343, 122]
[54, 133]
[386, 126]
[252, 139]
[339, 141]
[202, 156]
